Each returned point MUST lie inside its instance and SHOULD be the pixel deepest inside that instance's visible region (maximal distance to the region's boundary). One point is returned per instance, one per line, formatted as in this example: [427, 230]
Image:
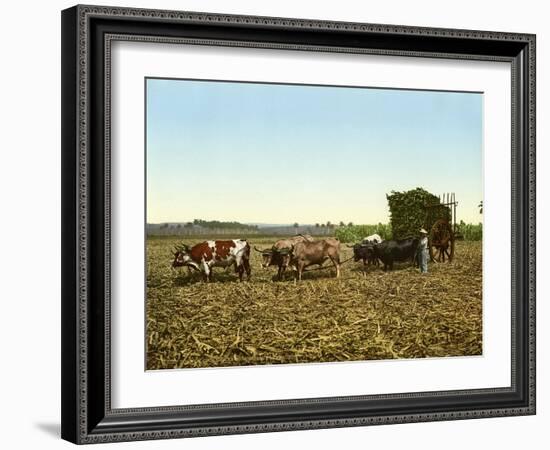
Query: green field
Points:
[399, 314]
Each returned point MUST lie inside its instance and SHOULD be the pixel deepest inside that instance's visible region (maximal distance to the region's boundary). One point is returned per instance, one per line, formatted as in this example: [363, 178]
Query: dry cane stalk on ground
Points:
[399, 314]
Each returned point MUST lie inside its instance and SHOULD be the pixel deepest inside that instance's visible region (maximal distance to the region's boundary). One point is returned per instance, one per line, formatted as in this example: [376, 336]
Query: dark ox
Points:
[209, 254]
[396, 250]
[279, 254]
[306, 254]
[365, 253]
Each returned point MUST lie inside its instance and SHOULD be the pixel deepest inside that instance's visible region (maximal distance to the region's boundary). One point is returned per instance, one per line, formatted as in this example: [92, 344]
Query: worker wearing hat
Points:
[422, 251]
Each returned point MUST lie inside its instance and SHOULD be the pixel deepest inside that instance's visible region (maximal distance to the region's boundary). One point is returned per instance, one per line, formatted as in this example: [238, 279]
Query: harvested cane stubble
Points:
[399, 314]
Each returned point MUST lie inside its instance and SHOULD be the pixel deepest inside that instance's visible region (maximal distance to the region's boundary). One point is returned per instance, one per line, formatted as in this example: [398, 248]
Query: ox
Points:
[279, 254]
[396, 250]
[365, 253]
[206, 255]
[306, 253]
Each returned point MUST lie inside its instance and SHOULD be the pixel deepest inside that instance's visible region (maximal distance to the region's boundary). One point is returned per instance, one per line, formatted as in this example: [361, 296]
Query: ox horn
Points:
[181, 248]
[262, 251]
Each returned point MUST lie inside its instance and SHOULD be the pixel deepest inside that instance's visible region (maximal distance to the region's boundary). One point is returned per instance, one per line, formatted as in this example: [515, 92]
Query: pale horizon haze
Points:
[279, 154]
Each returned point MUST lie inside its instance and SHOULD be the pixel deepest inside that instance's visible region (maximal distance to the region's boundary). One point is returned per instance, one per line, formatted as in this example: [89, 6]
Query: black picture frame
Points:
[87, 416]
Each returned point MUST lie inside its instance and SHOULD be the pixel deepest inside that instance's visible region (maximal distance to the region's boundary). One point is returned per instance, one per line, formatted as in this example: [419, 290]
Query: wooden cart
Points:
[443, 233]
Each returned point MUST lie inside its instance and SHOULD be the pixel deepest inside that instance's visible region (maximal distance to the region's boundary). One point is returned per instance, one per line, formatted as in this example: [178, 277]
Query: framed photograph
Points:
[277, 224]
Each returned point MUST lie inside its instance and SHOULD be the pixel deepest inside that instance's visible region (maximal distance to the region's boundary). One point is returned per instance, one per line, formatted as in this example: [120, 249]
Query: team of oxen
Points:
[297, 253]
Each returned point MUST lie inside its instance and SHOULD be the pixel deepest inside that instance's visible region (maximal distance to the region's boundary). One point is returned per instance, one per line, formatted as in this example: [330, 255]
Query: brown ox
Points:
[206, 255]
[279, 254]
[305, 254]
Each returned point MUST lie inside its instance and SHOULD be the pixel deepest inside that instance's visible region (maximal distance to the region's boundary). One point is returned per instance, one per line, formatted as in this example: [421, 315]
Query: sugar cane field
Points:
[375, 315]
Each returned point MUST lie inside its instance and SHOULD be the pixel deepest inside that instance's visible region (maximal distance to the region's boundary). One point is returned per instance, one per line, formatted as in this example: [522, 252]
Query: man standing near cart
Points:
[422, 251]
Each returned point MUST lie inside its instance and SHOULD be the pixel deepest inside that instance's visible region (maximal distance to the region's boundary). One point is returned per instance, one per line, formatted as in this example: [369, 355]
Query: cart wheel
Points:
[441, 241]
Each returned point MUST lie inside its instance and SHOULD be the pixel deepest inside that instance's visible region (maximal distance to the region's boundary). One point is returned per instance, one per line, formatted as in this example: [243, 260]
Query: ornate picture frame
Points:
[87, 35]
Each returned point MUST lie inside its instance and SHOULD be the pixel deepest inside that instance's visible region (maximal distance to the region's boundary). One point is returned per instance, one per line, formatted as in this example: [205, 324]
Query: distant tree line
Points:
[201, 227]
[216, 227]
[216, 224]
[345, 232]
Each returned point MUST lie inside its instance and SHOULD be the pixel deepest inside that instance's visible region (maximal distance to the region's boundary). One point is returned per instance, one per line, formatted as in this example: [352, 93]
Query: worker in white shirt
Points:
[422, 251]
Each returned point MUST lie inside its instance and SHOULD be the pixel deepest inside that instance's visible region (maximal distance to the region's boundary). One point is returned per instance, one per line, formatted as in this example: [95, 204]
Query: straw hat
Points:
[423, 231]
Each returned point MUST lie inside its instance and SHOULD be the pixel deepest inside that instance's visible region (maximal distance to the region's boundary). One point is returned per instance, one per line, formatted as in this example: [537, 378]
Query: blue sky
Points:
[295, 153]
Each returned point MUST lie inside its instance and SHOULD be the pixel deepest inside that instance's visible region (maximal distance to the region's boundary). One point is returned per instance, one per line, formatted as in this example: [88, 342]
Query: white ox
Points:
[372, 239]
